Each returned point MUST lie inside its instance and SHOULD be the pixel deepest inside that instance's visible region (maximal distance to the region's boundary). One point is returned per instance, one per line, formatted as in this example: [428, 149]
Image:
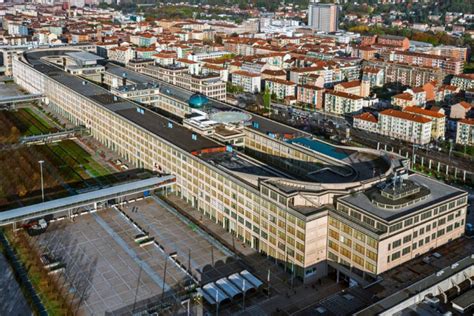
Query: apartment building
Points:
[456, 52]
[286, 218]
[280, 88]
[144, 52]
[366, 121]
[374, 76]
[342, 103]
[402, 100]
[405, 126]
[250, 81]
[310, 94]
[409, 75]
[463, 81]
[460, 110]
[465, 132]
[121, 54]
[447, 64]
[209, 85]
[298, 75]
[399, 42]
[143, 39]
[17, 29]
[207, 55]
[357, 87]
[364, 52]
[438, 126]
[165, 58]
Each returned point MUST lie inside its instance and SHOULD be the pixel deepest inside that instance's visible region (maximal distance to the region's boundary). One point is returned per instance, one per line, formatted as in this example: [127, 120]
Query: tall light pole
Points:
[42, 184]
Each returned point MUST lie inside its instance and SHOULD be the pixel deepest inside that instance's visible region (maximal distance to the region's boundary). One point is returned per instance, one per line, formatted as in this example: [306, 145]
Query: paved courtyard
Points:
[208, 259]
[104, 265]
[108, 272]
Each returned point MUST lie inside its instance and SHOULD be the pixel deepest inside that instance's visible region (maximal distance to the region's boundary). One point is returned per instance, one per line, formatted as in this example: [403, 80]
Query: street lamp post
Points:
[42, 183]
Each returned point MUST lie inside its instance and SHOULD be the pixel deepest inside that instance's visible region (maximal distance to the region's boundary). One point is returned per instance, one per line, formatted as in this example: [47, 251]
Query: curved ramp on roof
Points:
[251, 278]
[231, 290]
[241, 283]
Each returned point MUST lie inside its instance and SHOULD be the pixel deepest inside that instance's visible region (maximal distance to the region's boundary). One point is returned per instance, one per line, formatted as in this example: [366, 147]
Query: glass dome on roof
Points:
[197, 101]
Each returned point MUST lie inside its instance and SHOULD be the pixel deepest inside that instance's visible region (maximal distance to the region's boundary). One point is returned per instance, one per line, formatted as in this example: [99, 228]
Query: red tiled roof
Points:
[448, 87]
[281, 81]
[418, 90]
[309, 87]
[366, 117]
[350, 84]
[469, 121]
[465, 105]
[245, 73]
[466, 76]
[405, 116]
[274, 72]
[344, 95]
[403, 96]
[421, 111]
[214, 67]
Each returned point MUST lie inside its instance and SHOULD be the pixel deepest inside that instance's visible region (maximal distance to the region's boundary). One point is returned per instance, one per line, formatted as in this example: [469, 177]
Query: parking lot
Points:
[107, 270]
[208, 259]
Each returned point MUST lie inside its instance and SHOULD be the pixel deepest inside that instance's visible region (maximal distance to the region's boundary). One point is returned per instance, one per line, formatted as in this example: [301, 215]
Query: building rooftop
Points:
[168, 130]
[373, 202]
[147, 119]
[344, 95]
[420, 286]
[406, 116]
[264, 125]
[421, 111]
[83, 56]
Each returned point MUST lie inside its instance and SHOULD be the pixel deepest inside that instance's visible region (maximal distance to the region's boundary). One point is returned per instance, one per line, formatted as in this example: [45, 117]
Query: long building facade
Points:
[281, 193]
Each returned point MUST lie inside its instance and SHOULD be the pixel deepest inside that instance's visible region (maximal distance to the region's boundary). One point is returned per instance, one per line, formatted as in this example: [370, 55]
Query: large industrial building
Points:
[312, 206]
